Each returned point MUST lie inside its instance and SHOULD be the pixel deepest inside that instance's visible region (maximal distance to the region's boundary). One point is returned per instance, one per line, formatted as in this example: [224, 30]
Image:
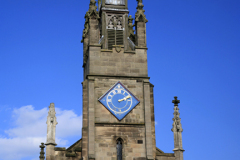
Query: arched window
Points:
[119, 148]
[115, 28]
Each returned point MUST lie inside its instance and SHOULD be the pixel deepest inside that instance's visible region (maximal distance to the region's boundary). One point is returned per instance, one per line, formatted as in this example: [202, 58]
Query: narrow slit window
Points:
[119, 149]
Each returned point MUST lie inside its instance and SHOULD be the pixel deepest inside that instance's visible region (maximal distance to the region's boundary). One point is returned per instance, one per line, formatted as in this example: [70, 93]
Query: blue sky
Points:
[194, 53]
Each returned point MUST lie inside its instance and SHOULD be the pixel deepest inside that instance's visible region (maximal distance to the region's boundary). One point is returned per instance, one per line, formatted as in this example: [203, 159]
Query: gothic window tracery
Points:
[115, 22]
[110, 25]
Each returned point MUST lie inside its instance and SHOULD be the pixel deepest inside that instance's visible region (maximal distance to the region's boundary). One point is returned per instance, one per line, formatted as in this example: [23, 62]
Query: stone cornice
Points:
[119, 124]
[165, 154]
[114, 9]
[136, 47]
[116, 76]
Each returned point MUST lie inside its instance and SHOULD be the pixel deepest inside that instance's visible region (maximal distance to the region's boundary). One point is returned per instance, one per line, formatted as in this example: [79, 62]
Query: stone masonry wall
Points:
[117, 64]
[108, 129]
[106, 138]
[85, 121]
[153, 121]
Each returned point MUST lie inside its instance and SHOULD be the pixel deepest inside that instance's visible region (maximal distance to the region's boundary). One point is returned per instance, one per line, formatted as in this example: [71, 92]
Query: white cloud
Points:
[17, 148]
[30, 130]
[28, 122]
[69, 123]
[156, 123]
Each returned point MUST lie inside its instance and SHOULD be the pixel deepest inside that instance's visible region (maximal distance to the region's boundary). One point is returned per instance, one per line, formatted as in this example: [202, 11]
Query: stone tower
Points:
[112, 54]
[118, 106]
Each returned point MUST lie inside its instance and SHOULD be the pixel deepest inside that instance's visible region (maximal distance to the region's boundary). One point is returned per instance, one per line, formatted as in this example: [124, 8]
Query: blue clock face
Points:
[119, 100]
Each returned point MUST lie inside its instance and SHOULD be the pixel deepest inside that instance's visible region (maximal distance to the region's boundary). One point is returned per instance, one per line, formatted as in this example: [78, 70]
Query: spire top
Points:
[139, 1]
[130, 19]
[140, 16]
[92, 12]
[92, 5]
[177, 130]
[176, 101]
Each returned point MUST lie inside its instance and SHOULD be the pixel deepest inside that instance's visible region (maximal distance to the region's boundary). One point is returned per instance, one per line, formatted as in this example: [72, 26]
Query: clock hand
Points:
[127, 97]
[120, 100]
[124, 99]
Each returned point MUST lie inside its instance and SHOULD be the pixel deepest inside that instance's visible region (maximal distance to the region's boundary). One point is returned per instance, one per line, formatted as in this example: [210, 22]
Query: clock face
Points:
[119, 100]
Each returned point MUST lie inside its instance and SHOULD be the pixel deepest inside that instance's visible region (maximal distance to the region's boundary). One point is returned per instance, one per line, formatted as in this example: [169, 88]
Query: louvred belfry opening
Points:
[114, 30]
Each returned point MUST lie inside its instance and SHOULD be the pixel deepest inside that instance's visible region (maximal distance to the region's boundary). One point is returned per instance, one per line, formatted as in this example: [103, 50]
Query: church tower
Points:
[118, 106]
[118, 111]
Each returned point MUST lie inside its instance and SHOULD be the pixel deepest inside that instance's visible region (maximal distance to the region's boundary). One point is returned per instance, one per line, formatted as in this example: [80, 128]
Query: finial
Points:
[92, 12]
[51, 105]
[176, 101]
[140, 5]
[140, 16]
[130, 19]
[93, 9]
[92, 4]
[177, 131]
[42, 157]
